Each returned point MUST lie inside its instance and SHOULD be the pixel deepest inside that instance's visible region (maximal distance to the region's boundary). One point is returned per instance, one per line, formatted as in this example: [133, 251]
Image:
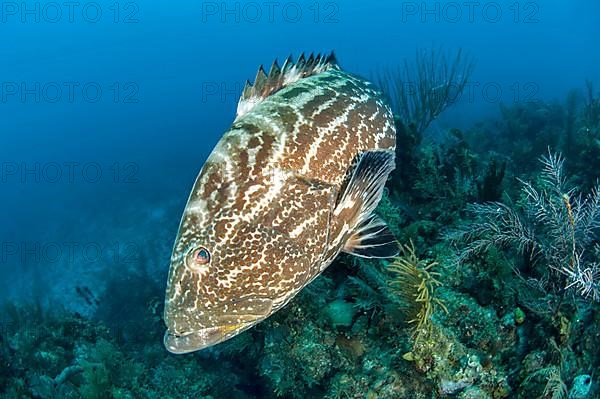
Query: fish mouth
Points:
[197, 340]
[228, 326]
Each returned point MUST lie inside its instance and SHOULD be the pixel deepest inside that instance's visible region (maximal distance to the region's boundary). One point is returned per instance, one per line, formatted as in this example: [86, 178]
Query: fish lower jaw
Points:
[202, 339]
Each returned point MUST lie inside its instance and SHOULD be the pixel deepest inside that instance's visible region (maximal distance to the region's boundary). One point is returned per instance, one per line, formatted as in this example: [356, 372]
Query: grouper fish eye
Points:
[248, 242]
[199, 256]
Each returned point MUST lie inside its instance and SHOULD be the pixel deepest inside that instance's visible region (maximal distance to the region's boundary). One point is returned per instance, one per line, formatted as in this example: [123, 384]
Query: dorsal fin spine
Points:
[287, 64]
[277, 78]
[331, 59]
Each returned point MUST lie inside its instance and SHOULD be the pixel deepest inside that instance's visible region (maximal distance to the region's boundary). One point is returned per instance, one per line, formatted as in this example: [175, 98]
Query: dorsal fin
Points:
[266, 84]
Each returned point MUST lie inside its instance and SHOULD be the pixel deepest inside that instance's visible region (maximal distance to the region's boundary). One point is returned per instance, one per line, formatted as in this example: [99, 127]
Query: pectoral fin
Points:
[369, 236]
[372, 239]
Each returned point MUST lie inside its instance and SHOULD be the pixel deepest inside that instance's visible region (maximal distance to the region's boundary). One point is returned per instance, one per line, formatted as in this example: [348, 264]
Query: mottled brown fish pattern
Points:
[289, 186]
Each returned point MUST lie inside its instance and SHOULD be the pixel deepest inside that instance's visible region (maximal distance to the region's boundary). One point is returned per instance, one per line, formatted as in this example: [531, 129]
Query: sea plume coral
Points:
[422, 90]
[552, 223]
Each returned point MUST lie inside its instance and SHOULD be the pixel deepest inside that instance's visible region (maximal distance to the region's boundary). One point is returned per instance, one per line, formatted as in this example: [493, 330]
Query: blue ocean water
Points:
[108, 110]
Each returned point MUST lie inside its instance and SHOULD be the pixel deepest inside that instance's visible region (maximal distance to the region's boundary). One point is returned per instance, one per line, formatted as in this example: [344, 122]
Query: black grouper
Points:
[289, 186]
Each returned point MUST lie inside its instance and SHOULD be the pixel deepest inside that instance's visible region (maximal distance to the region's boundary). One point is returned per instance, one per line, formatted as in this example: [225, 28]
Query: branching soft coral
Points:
[422, 90]
[552, 223]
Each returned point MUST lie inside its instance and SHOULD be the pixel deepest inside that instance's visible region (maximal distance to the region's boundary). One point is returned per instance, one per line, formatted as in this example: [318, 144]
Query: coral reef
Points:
[495, 294]
[419, 91]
